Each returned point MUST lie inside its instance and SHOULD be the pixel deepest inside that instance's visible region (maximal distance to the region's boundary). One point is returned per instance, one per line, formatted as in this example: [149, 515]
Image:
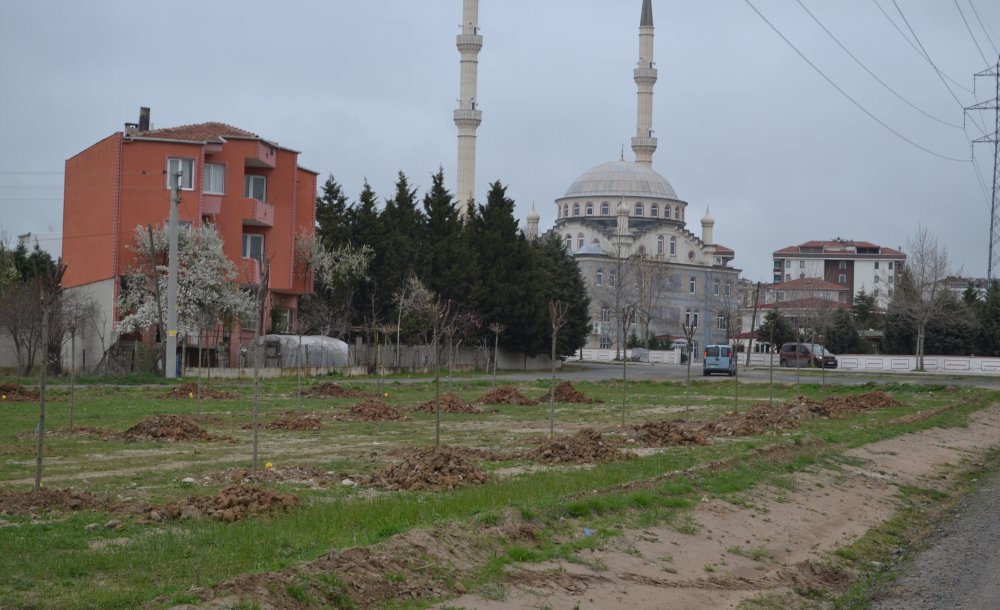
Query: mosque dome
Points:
[621, 179]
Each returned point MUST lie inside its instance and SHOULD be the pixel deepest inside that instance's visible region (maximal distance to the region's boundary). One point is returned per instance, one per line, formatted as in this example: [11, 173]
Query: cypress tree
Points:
[332, 221]
[448, 262]
[564, 283]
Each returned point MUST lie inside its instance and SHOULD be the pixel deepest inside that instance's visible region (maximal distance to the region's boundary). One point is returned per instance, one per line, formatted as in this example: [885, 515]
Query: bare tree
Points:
[48, 290]
[919, 288]
[557, 316]
[77, 311]
[435, 313]
[496, 328]
[651, 285]
[259, 292]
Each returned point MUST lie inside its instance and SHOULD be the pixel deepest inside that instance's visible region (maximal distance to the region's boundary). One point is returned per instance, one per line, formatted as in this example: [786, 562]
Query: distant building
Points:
[959, 285]
[48, 241]
[252, 190]
[856, 265]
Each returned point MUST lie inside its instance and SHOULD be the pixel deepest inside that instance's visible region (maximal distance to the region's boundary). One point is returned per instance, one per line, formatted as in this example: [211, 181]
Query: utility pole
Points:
[994, 139]
[170, 361]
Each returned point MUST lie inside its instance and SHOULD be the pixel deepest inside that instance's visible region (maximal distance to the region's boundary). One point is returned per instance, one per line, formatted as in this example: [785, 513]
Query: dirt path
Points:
[771, 544]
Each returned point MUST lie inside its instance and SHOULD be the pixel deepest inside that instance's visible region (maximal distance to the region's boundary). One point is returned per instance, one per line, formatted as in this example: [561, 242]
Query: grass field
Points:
[72, 560]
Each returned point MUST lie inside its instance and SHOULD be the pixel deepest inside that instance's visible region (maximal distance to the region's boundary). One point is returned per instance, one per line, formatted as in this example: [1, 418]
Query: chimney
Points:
[144, 118]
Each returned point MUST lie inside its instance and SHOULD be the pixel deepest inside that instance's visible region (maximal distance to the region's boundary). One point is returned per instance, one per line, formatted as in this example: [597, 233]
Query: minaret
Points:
[644, 144]
[467, 115]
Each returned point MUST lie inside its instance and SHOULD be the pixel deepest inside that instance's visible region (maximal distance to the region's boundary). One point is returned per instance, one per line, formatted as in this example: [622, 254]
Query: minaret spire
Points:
[644, 144]
[467, 115]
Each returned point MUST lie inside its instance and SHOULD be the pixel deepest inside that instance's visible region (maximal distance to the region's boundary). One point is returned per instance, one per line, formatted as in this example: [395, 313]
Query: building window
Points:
[214, 180]
[876, 264]
[677, 212]
[639, 210]
[875, 293]
[890, 265]
[255, 187]
[605, 342]
[576, 209]
[788, 277]
[666, 211]
[891, 278]
[605, 208]
[579, 242]
[720, 322]
[788, 264]
[659, 244]
[569, 242]
[715, 287]
[612, 277]
[693, 285]
[253, 246]
[184, 167]
[687, 316]
[694, 318]
[673, 246]
[802, 276]
[565, 210]
[605, 314]
[654, 210]
[590, 209]
[600, 276]
[729, 289]
[781, 295]
[875, 279]
[842, 279]
[841, 264]
[802, 264]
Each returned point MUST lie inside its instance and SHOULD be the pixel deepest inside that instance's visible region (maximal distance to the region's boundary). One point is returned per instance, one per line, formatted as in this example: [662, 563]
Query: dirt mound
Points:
[78, 432]
[167, 428]
[857, 403]
[233, 503]
[14, 502]
[16, 392]
[297, 475]
[585, 447]
[665, 433]
[374, 410]
[328, 389]
[506, 395]
[190, 390]
[296, 422]
[758, 419]
[565, 392]
[450, 403]
[919, 416]
[429, 468]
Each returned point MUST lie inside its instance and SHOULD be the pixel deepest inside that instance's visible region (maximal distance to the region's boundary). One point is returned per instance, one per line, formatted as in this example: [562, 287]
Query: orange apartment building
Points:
[251, 189]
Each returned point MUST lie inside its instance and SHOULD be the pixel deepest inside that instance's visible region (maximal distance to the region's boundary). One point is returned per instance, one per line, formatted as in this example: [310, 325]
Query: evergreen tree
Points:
[510, 287]
[448, 261]
[988, 313]
[366, 230]
[332, 215]
[841, 336]
[951, 331]
[867, 315]
[402, 227]
[776, 328]
[564, 283]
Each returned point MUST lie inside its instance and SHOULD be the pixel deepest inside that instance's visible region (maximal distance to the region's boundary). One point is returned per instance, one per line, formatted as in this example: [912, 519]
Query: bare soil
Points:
[666, 433]
[234, 503]
[436, 468]
[296, 422]
[587, 446]
[565, 392]
[295, 474]
[506, 395]
[14, 502]
[450, 403]
[329, 389]
[190, 391]
[168, 428]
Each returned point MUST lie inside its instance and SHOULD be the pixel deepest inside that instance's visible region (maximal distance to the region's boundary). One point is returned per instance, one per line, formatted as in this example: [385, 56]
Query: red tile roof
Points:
[844, 247]
[720, 249]
[200, 132]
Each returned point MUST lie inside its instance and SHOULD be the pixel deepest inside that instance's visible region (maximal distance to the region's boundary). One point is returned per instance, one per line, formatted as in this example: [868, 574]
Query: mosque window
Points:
[677, 212]
[605, 208]
[579, 242]
[612, 278]
[576, 209]
[659, 244]
[673, 246]
[638, 208]
[565, 210]
[599, 279]
[569, 242]
[693, 285]
[666, 211]
[654, 210]
[590, 209]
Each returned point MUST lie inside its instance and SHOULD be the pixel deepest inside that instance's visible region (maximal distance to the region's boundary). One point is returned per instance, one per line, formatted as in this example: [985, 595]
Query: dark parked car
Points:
[806, 354]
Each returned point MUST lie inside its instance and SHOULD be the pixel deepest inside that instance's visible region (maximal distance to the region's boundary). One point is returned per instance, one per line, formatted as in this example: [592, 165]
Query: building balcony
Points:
[644, 143]
[248, 271]
[211, 205]
[469, 42]
[258, 213]
[264, 155]
[644, 75]
[467, 117]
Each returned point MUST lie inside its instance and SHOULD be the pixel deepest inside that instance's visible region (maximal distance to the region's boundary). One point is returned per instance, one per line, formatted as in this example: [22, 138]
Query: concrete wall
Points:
[97, 334]
[608, 355]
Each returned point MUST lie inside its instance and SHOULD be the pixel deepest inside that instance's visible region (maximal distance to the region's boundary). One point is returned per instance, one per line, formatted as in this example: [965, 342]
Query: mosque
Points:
[625, 225]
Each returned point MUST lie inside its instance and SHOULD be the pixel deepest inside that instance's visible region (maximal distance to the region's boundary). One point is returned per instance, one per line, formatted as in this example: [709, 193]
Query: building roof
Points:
[839, 248]
[723, 250]
[647, 13]
[810, 283]
[200, 132]
[621, 179]
[809, 303]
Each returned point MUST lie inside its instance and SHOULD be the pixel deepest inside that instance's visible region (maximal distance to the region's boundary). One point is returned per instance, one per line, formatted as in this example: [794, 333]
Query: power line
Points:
[971, 35]
[910, 42]
[872, 74]
[845, 94]
[983, 26]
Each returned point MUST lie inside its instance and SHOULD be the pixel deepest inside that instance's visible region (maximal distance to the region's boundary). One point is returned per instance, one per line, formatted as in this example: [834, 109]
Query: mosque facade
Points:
[646, 272]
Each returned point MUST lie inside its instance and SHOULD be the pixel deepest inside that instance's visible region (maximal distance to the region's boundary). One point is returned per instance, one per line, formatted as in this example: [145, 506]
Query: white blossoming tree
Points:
[207, 286]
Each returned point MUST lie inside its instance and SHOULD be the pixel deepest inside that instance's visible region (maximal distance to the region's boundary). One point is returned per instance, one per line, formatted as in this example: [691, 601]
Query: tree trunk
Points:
[40, 445]
[72, 378]
[437, 394]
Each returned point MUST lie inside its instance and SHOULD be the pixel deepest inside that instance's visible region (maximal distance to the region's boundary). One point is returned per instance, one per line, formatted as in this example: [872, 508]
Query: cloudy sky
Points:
[366, 89]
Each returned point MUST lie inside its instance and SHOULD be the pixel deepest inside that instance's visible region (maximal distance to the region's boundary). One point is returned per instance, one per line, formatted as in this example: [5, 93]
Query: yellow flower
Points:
[387, 395]
[190, 394]
[269, 466]
[4, 397]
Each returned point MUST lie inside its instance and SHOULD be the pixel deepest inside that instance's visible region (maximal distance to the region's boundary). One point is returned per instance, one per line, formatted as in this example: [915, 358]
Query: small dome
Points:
[707, 219]
[533, 216]
[621, 179]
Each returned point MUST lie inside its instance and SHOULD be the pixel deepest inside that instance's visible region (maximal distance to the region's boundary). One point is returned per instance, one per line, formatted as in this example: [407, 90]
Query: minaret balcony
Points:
[643, 143]
[645, 75]
[469, 43]
[467, 117]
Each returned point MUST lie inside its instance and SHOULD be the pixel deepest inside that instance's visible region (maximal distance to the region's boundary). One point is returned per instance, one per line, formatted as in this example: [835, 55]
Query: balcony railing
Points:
[248, 271]
[258, 213]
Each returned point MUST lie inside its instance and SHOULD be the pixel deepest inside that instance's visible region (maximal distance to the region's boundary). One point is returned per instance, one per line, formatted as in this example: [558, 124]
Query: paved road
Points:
[960, 567]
